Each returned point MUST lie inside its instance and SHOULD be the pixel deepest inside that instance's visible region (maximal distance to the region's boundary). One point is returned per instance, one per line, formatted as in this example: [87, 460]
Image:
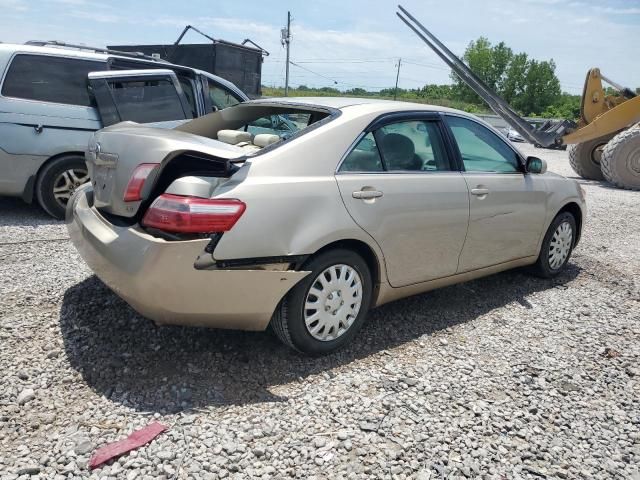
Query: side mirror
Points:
[536, 165]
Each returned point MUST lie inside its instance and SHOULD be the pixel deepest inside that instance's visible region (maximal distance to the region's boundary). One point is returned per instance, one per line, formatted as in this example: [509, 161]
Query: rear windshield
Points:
[255, 126]
[50, 79]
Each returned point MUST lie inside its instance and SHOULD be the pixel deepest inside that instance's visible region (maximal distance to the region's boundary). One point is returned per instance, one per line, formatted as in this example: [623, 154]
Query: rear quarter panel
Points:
[294, 206]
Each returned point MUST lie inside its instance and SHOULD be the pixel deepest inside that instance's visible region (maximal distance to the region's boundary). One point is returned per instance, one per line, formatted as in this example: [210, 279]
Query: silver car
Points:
[369, 202]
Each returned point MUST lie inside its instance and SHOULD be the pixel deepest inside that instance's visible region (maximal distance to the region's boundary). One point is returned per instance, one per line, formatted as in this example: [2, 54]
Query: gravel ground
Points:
[504, 377]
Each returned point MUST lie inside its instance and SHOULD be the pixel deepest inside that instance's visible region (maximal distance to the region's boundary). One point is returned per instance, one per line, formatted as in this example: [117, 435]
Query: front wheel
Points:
[557, 246]
[326, 309]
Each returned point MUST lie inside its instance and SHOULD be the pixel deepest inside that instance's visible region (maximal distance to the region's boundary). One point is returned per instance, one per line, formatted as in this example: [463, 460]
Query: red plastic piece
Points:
[184, 214]
[133, 192]
[136, 440]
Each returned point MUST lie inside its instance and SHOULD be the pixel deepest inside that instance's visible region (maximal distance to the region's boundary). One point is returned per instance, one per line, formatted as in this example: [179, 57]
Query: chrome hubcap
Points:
[66, 183]
[333, 302]
[560, 245]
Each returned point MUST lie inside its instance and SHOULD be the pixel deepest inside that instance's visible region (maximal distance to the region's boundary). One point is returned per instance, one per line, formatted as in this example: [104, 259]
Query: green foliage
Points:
[567, 106]
[437, 95]
[528, 85]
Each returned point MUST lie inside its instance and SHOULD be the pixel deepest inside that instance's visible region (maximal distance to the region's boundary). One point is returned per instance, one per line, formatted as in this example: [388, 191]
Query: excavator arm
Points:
[601, 115]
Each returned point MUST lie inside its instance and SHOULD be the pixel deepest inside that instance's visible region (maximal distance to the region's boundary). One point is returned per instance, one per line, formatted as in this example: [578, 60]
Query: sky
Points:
[355, 43]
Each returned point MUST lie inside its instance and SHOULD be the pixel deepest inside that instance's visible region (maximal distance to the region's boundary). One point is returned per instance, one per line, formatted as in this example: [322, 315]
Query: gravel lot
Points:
[505, 377]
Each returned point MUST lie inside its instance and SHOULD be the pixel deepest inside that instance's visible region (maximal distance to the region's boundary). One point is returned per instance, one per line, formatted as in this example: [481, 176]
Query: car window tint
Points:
[187, 88]
[414, 145]
[220, 97]
[481, 149]
[146, 101]
[50, 79]
[364, 157]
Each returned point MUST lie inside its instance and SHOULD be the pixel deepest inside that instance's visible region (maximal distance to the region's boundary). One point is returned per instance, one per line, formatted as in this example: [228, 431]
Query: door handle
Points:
[479, 191]
[367, 194]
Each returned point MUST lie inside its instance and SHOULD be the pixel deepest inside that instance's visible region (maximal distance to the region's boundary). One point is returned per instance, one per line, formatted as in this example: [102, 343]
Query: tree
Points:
[436, 91]
[541, 89]
[530, 86]
[487, 62]
[357, 91]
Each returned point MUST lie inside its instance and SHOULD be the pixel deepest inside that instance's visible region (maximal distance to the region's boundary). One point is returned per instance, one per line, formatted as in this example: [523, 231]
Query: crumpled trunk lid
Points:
[115, 152]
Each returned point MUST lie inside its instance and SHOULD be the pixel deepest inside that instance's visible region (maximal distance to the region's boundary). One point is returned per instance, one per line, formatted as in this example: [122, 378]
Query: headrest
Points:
[398, 146]
[233, 137]
[265, 139]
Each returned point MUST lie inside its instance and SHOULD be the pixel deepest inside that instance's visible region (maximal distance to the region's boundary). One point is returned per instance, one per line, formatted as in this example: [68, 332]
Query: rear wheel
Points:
[621, 159]
[58, 180]
[557, 246]
[585, 158]
[325, 310]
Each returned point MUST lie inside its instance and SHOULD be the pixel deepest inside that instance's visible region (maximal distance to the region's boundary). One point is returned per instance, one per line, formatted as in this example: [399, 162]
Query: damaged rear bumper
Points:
[158, 278]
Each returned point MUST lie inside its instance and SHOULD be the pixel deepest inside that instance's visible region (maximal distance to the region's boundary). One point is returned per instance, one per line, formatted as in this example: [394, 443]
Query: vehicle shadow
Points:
[15, 212]
[128, 359]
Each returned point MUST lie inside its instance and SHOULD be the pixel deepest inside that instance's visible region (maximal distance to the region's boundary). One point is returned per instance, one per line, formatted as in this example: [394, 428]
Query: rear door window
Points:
[221, 97]
[50, 79]
[364, 157]
[144, 101]
[414, 145]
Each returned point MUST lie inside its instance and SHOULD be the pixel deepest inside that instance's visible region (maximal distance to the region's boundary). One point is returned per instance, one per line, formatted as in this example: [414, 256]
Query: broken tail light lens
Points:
[133, 193]
[180, 214]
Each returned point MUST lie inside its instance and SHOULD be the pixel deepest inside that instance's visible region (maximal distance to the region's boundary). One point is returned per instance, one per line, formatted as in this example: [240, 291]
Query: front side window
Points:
[50, 79]
[364, 157]
[221, 98]
[144, 101]
[481, 149]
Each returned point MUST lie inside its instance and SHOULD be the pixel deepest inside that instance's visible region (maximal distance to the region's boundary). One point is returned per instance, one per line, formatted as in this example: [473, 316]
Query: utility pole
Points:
[395, 92]
[286, 41]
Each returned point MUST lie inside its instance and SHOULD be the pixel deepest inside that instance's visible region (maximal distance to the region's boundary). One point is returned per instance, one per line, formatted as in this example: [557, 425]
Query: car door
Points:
[507, 206]
[399, 184]
[143, 96]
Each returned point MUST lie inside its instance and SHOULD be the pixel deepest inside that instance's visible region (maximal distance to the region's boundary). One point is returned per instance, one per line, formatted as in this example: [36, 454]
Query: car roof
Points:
[371, 104]
[69, 52]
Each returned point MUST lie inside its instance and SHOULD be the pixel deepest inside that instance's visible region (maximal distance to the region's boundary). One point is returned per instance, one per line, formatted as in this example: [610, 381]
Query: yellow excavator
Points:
[603, 144]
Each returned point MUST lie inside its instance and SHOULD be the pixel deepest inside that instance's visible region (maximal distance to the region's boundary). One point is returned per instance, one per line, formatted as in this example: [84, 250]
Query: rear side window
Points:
[414, 145]
[221, 97]
[144, 101]
[364, 157]
[50, 79]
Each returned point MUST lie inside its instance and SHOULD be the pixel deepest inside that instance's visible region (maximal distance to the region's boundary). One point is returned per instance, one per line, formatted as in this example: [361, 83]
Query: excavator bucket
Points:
[548, 134]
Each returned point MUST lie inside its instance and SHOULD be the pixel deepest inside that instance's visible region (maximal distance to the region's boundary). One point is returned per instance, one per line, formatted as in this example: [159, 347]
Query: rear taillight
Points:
[133, 192]
[175, 213]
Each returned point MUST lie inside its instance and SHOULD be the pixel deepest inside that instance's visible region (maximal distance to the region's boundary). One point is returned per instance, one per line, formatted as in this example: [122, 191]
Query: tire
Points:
[621, 159]
[585, 158]
[545, 266]
[57, 181]
[289, 322]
